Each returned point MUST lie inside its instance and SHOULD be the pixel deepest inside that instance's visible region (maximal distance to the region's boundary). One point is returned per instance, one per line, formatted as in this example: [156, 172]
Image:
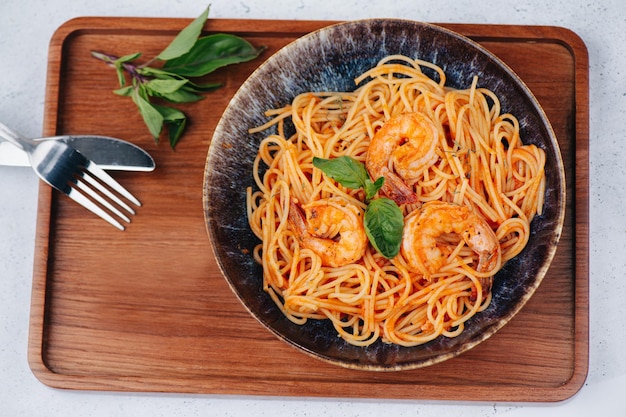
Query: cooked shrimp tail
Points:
[396, 189]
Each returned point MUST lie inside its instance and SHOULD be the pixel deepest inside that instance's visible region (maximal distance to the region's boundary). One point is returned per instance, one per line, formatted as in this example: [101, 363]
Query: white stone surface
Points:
[25, 30]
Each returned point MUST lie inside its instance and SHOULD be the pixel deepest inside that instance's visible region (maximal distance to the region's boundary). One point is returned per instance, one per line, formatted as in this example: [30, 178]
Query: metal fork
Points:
[67, 170]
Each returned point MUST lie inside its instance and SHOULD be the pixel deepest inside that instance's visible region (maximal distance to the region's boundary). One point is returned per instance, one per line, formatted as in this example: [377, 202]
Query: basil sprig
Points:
[383, 219]
[189, 55]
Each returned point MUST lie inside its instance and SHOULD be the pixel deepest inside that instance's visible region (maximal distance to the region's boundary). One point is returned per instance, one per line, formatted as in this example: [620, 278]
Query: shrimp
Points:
[333, 229]
[400, 151]
[422, 228]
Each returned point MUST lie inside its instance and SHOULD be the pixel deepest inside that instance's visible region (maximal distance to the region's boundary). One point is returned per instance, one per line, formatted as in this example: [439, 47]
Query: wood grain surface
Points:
[148, 309]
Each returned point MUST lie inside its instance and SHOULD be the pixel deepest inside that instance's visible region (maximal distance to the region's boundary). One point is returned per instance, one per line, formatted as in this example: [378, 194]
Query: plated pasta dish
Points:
[389, 209]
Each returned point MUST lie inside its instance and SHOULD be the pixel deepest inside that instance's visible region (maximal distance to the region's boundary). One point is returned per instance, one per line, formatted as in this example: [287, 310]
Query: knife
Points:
[107, 152]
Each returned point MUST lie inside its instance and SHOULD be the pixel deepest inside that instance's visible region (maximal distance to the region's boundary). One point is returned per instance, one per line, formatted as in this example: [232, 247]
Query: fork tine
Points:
[107, 179]
[81, 199]
[81, 185]
[106, 192]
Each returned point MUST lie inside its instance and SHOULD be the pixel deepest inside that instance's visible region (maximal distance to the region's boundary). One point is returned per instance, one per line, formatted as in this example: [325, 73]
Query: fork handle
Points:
[13, 137]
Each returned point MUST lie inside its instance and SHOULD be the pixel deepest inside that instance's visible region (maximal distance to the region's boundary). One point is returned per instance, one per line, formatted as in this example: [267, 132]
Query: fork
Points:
[70, 172]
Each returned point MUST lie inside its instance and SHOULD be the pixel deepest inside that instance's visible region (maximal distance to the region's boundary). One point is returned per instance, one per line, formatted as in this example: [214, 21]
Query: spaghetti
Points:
[481, 164]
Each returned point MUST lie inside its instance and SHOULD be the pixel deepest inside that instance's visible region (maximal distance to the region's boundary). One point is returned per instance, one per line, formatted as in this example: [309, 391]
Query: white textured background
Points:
[26, 27]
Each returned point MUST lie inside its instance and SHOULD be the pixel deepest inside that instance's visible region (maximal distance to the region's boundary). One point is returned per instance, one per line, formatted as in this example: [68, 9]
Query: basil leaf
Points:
[151, 116]
[124, 91]
[121, 79]
[169, 114]
[182, 96]
[350, 173]
[175, 91]
[384, 224]
[159, 87]
[202, 88]
[175, 130]
[176, 122]
[346, 170]
[185, 40]
[158, 73]
[210, 53]
[127, 58]
[110, 59]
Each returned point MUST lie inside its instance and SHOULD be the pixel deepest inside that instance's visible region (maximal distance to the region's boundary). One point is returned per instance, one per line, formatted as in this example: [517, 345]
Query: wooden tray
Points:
[148, 309]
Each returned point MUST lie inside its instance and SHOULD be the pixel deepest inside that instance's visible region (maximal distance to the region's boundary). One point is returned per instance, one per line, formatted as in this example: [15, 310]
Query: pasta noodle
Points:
[481, 163]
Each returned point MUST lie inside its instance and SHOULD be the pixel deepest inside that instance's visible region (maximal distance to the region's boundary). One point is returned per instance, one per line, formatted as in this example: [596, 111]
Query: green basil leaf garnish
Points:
[186, 39]
[151, 116]
[384, 224]
[210, 53]
[350, 173]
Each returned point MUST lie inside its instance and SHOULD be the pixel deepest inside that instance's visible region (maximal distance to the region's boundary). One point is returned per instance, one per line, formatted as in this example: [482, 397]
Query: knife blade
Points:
[109, 153]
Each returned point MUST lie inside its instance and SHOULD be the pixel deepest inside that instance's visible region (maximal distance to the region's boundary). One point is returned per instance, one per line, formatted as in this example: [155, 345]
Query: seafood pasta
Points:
[466, 186]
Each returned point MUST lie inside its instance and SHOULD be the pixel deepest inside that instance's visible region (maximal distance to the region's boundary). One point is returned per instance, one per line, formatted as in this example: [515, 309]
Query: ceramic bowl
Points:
[330, 59]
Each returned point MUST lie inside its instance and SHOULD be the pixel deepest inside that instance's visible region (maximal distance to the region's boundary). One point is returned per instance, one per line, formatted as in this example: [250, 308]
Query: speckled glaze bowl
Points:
[330, 59]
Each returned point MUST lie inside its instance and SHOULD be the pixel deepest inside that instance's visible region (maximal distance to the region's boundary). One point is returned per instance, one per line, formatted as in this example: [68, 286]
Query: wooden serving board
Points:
[148, 309]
